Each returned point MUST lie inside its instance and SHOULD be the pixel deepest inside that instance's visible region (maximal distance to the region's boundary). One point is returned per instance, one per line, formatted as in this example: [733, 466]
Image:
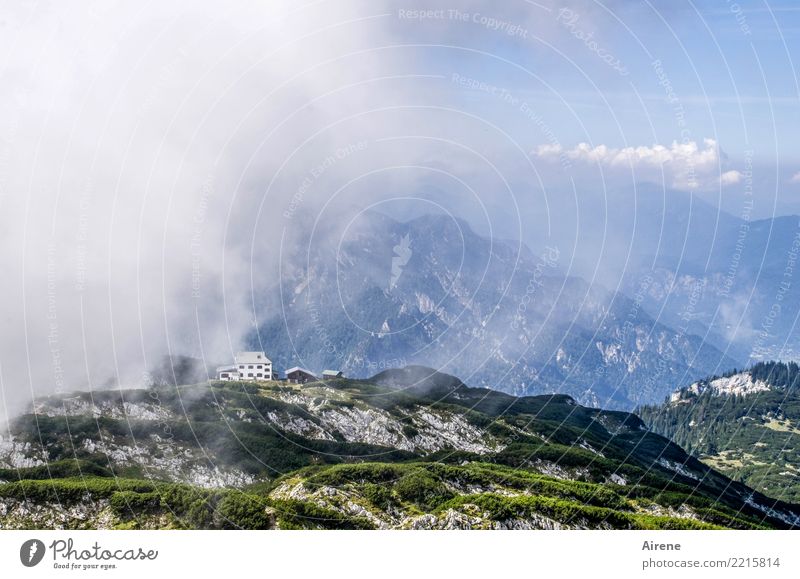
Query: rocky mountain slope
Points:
[432, 292]
[708, 270]
[745, 424]
[408, 448]
[689, 263]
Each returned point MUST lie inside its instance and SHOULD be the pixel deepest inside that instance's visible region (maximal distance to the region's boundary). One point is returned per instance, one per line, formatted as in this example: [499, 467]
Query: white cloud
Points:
[795, 178]
[145, 156]
[730, 177]
[148, 157]
[685, 166]
[148, 154]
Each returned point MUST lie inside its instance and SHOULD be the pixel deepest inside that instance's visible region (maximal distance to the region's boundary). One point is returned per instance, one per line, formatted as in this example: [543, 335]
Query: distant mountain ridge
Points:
[489, 310]
[686, 261]
[726, 273]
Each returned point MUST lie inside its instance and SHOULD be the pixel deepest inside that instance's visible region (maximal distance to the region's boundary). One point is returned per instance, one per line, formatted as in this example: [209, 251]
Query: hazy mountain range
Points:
[431, 291]
[682, 290]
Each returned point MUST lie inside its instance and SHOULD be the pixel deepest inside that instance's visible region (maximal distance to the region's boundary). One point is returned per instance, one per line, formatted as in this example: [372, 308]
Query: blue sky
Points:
[734, 72]
[633, 74]
[136, 137]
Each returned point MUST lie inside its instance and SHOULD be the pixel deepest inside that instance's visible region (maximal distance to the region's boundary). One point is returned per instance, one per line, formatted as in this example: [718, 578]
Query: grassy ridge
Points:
[752, 438]
[143, 504]
[543, 461]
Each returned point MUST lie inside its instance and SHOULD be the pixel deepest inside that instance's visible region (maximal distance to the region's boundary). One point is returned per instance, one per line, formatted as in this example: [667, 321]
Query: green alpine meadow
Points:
[409, 448]
[745, 424]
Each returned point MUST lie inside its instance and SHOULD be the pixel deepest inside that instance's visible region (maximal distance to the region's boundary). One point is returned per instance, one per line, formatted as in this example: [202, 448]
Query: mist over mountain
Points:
[432, 291]
[149, 201]
[724, 275]
[731, 275]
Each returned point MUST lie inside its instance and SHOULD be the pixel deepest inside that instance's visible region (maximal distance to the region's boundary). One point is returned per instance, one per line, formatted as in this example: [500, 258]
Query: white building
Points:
[247, 366]
[227, 373]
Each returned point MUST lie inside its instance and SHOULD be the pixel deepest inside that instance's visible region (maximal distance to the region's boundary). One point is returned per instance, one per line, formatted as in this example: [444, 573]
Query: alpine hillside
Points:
[407, 449]
[745, 424]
